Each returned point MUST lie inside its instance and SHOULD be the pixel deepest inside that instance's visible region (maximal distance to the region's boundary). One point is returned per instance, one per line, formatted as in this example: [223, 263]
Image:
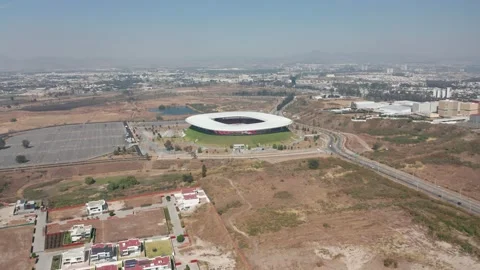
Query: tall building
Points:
[448, 108]
[468, 108]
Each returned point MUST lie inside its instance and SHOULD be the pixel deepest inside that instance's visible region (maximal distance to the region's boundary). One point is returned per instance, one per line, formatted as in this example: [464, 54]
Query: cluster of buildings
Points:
[433, 109]
[127, 255]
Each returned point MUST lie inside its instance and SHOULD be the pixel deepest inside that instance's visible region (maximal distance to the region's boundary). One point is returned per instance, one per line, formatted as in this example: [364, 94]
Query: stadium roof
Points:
[206, 121]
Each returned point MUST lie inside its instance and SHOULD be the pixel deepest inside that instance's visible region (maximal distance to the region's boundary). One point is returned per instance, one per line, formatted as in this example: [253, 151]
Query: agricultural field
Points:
[15, 247]
[251, 140]
[337, 215]
[447, 155]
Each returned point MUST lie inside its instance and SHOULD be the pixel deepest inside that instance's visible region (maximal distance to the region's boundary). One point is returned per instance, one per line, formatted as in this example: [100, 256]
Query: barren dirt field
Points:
[141, 225]
[126, 108]
[15, 181]
[212, 240]
[338, 216]
[448, 155]
[15, 247]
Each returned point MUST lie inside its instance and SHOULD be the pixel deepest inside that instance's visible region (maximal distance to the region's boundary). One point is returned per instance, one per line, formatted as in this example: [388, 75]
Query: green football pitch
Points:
[251, 140]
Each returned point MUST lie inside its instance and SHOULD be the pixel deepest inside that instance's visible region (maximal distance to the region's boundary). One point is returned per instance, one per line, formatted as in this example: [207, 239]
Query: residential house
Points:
[129, 247]
[74, 256]
[158, 263]
[187, 199]
[96, 207]
[103, 252]
[107, 267]
[24, 207]
[80, 231]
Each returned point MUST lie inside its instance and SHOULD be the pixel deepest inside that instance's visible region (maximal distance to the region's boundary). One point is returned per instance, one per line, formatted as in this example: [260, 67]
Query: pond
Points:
[180, 110]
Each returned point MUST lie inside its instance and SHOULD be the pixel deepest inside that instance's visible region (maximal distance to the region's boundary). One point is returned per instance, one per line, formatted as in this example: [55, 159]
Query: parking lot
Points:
[69, 143]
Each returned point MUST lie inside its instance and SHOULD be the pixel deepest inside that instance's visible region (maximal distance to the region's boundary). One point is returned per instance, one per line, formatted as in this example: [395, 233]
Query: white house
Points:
[103, 253]
[187, 199]
[96, 207]
[158, 263]
[80, 231]
[129, 247]
[73, 256]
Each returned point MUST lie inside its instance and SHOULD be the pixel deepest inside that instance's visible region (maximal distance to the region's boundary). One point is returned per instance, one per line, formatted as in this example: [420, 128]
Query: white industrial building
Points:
[425, 108]
[367, 105]
[394, 110]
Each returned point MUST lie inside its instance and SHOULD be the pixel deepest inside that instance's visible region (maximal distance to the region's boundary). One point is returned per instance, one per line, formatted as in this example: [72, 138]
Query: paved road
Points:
[39, 241]
[336, 145]
[177, 224]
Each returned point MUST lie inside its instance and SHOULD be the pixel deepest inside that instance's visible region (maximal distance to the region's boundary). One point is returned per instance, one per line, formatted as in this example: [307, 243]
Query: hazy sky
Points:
[236, 28]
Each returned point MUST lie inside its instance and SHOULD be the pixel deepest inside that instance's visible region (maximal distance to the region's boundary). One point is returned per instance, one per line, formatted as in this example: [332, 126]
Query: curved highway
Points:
[336, 145]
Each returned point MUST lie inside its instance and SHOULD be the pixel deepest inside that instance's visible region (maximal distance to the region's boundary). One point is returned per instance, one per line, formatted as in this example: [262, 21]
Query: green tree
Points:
[187, 267]
[26, 143]
[124, 149]
[204, 170]
[178, 148]
[21, 159]
[159, 117]
[180, 238]
[187, 178]
[274, 146]
[89, 180]
[377, 146]
[168, 198]
[168, 145]
[2, 143]
[200, 150]
[313, 164]
[161, 107]
[13, 120]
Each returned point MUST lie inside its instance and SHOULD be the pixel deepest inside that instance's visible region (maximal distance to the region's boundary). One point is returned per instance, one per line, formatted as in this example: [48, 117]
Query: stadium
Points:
[239, 126]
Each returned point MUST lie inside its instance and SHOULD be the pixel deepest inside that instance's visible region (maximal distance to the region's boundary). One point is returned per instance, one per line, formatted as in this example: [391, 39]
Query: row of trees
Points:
[262, 92]
[285, 101]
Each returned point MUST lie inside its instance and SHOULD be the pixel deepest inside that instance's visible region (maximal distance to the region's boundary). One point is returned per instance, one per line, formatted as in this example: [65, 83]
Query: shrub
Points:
[199, 150]
[389, 262]
[180, 238]
[26, 143]
[21, 159]
[89, 180]
[13, 120]
[204, 170]
[187, 178]
[111, 213]
[376, 146]
[313, 164]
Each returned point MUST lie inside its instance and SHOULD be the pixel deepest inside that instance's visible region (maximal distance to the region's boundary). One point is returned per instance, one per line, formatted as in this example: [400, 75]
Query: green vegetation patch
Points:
[269, 220]
[283, 195]
[252, 140]
[56, 261]
[158, 248]
[230, 205]
[406, 139]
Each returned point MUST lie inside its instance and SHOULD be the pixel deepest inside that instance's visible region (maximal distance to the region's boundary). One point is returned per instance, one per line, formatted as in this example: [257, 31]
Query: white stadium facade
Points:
[238, 123]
